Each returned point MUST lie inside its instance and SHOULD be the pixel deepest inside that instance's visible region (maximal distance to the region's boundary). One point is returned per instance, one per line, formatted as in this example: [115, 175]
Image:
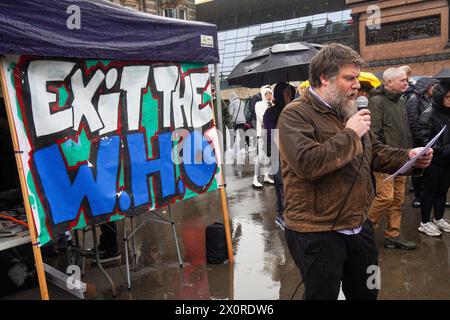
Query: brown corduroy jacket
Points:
[320, 160]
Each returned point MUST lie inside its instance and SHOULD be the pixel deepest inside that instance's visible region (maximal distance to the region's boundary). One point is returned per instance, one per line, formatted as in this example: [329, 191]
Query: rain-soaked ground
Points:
[263, 268]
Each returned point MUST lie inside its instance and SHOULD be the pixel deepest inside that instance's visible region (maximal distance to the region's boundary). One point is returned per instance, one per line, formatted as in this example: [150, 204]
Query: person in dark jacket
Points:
[436, 178]
[417, 103]
[283, 94]
[227, 122]
[256, 98]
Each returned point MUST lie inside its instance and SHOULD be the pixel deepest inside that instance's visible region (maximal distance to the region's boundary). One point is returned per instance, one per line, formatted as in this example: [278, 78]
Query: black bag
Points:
[216, 244]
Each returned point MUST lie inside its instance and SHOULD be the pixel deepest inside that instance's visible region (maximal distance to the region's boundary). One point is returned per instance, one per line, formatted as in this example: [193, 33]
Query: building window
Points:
[170, 13]
[236, 44]
[182, 14]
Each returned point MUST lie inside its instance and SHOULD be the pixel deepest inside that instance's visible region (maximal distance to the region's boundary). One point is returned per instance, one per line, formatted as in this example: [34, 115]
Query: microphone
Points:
[362, 102]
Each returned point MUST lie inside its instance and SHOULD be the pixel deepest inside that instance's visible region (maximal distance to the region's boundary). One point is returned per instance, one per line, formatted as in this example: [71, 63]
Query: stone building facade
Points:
[181, 9]
[403, 32]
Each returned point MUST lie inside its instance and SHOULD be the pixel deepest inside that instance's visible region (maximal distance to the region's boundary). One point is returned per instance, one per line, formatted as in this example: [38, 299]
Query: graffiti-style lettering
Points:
[64, 196]
[134, 79]
[111, 138]
[166, 79]
[141, 167]
[182, 101]
[200, 115]
[82, 103]
[197, 159]
[39, 73]
[108, 108]
[183, 98]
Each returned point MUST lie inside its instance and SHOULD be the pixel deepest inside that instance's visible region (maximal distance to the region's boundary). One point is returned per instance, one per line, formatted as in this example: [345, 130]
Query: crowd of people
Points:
[264, 109]
[332, 186]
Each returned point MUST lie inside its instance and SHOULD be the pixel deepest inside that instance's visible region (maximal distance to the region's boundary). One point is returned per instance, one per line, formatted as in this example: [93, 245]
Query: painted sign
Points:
[101, 140]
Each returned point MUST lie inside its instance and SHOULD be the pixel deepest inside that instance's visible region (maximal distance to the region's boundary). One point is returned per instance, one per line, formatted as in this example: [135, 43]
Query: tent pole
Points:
[223, 194]
[36, 249]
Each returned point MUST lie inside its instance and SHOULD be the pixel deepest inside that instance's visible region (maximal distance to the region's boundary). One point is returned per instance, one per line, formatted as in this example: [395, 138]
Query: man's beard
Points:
[340, 101]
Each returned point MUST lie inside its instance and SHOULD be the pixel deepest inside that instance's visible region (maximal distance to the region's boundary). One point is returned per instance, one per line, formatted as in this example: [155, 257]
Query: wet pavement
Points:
[263, 267]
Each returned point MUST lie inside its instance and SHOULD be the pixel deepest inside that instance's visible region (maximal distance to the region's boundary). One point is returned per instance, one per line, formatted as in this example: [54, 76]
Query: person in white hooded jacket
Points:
[261, 159]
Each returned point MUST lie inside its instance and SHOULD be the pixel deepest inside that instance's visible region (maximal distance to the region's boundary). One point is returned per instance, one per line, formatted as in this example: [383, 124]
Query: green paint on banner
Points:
[188, 66]
[152, 193]
[81, 222]
[75, 152]
[150, 124]
[213, 184]
[63, 96]
[188, 194]
[122, 176]
[206, 97]
[90, 63]
[116, 217]
[149, 117]
[36, 205]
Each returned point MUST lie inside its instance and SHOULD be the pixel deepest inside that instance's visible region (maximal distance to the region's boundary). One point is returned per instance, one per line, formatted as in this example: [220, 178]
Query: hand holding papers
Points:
[408, 165]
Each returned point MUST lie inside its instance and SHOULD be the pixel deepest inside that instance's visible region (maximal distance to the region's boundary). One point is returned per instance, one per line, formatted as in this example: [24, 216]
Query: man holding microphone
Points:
[327, 153]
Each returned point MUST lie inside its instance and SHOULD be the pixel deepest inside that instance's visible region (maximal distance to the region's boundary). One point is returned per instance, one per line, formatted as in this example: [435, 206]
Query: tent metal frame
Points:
[127, 237]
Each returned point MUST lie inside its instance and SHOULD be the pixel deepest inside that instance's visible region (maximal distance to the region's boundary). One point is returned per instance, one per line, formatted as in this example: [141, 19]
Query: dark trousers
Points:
[417, 185]
[436, 181]
[278, 183]
[327, 258]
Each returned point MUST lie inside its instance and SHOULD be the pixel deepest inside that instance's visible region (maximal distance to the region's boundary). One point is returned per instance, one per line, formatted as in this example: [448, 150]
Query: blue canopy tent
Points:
[97, 29]
[106, 30]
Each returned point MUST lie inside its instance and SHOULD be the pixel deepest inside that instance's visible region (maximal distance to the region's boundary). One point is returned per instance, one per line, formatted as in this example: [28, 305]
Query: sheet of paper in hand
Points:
[408, 165]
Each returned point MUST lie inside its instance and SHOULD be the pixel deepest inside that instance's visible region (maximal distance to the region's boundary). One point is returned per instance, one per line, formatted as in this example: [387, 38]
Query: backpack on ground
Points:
[216, 245]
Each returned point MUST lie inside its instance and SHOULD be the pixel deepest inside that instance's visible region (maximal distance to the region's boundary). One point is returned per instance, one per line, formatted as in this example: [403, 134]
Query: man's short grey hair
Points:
[393, 73]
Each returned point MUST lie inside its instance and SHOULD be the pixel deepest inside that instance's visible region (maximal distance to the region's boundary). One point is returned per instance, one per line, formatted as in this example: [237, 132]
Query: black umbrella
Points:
[443, 75]
[279, 63]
